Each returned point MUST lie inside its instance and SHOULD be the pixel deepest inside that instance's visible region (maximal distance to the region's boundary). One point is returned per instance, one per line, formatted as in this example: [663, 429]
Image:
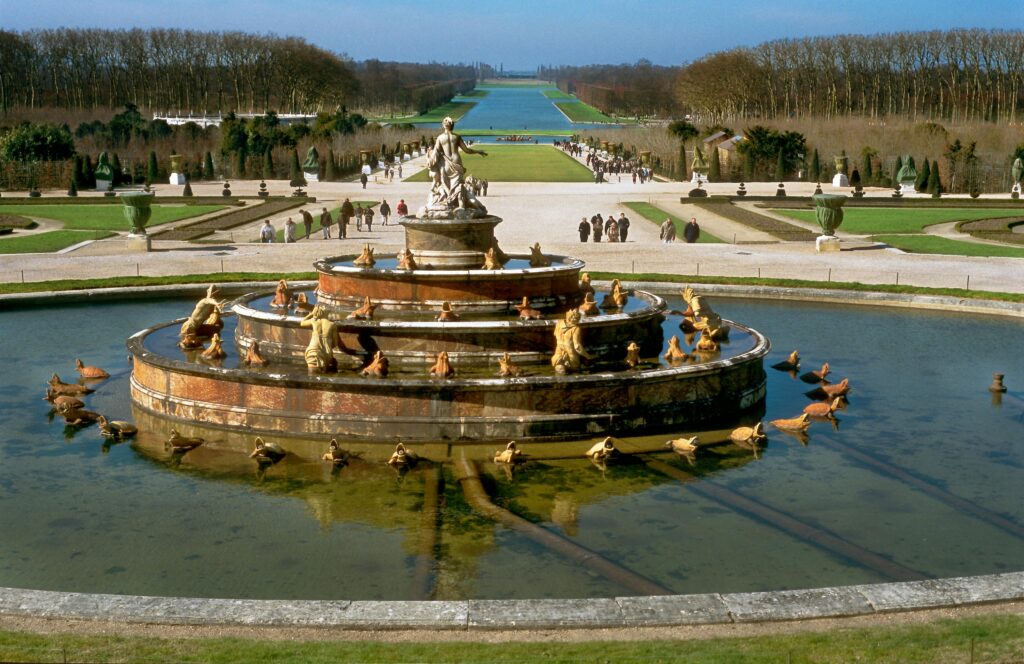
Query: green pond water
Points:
[923, 470]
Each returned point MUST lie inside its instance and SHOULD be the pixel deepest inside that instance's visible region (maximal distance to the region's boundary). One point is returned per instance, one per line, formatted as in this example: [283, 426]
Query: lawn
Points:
[987, 638]
[930, 244]
[107, 217]
[865, 221]
[558, 94]
[577, 111]
[657, 215]
[469, 133]
[44, 243]
[521, 163]
[453, 109]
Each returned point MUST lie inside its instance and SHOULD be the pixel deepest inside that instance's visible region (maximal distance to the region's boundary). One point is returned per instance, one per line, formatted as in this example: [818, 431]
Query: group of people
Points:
[611, 229]
[605, 167]
[363, 215]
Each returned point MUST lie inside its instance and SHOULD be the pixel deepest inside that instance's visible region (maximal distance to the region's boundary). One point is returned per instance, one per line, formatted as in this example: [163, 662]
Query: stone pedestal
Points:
[137, 244]
[366, 170]
[825, 243]
[840, 180]
[311, 177]
[102, 185]
[907, 188]
[177, 178]
[697, 178]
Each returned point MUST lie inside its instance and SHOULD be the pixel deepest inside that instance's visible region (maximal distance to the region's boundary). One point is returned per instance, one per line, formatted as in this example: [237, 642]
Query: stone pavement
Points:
[539, 212]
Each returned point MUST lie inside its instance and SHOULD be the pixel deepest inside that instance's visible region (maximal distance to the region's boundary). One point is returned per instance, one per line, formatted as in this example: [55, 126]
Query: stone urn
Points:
[828, 208]
[138, 210]
[645, 157]
[364, 157]
[176, 163]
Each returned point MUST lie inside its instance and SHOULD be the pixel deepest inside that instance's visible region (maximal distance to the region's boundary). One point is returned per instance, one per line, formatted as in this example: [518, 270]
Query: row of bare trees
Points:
[640, 88]
[186, 70]
[955, 75]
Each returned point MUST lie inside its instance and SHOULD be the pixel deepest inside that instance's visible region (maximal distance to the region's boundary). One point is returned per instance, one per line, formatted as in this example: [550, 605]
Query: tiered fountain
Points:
[450, 342]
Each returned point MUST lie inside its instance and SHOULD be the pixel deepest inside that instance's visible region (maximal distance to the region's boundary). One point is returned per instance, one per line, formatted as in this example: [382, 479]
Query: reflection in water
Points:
[80, 513]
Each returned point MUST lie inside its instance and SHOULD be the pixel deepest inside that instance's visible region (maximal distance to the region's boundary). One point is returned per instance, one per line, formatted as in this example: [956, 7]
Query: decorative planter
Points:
[828, 208]
[137, 210]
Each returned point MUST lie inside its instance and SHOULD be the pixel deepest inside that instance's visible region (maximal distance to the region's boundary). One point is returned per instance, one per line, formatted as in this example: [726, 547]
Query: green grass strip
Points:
[864, 221]
[521, 163]
[931, 244]
[516, 132]
[657, 215]
[475, 93]
[228, 277]
[107, 217]
[577, 111]
[558, 94]
[988, 638]
[45, 243]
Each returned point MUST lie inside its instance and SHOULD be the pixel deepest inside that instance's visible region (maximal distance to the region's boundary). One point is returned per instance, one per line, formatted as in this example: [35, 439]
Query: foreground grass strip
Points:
[134, 282]
[801, 283]
[45, 243]
[228, 277]
[930, 244]
[577, 111]
[521, 163]
[107, 217]
[657, 215]
[992, 638]
[865, 221]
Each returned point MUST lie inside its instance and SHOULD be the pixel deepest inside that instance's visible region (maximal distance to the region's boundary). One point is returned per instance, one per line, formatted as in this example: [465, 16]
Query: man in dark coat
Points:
[598, 225]
[584, 229]
[307, 222]
[345, 213]
[385, 212]
[623, 226]
[692, 231]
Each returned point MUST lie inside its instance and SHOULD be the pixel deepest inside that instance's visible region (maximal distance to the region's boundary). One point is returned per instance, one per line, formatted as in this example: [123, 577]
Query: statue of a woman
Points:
[322, 342]
[444, 160]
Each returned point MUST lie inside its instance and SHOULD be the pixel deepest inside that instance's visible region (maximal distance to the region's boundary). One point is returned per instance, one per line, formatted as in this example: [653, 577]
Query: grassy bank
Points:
[107, 217]
[991, 638]
[657, 216]
[931, 244]
[577, 111]
[45, 243]
[474, 93]
[558, 94]
[453, 109]
[866, 221]
[521, 163]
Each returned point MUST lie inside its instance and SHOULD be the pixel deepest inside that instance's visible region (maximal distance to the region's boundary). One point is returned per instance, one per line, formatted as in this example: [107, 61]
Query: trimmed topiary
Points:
[73, 188]
[187, 191]
[208, 166]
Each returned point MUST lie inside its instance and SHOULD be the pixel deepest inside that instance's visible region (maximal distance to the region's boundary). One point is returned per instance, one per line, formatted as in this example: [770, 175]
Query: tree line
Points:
[187, 70]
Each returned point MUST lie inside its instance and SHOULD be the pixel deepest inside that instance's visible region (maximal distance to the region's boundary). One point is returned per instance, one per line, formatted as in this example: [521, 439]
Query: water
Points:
[78, 517]
[517, 110]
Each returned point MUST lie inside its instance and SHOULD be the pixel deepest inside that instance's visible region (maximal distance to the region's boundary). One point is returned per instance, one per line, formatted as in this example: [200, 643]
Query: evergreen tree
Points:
[330, 168]
[855, 178]
[780, 167]
[868, 171]
[921, 183]
[239, 165]
[934, 182]
[748, 167]
[73, 187]
[681, 174]
[152, 170]
[89, 173]
[115, 165]
[77, 173]
[295, 178]
[715, 167]
[208, 166]
[815, 173]
[897, 167]
[268, 165]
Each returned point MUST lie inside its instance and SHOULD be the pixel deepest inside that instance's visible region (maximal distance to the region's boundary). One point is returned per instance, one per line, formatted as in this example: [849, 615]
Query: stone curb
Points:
[482, 615]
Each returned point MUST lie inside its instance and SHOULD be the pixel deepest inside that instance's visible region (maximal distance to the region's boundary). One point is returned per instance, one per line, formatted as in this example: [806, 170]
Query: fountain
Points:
[550, 376]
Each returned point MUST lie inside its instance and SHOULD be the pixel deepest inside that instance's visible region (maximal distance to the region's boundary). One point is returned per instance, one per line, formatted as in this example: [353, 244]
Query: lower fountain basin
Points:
[411, 409]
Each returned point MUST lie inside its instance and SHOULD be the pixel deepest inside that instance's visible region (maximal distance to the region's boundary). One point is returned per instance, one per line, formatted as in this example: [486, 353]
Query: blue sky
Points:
[523, 33]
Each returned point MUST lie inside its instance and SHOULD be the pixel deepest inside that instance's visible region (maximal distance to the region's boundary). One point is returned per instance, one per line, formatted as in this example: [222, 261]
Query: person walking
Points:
[692, 231]
[267, 232]
[359, 217]
[584, 229]
[363, 179]
[668, 231]
[307, 222]
[485, 183]
[612, 230]
[597, 225]
[346, 212]
[399, 171]
[325, 223]
[385, 211]
[623, 226]
[289, 231]
[402, 210]
[368, 217]
[342, 227]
